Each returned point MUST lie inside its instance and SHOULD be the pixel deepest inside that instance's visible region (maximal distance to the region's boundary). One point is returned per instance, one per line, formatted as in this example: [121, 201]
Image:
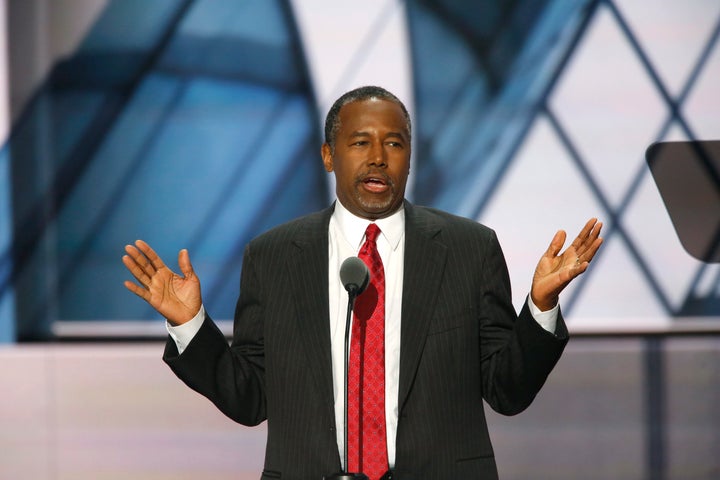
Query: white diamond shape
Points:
[671, 33]
[609, 107]
[617, 296]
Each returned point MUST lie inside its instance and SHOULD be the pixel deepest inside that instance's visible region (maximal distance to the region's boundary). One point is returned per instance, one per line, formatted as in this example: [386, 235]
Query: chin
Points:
[376, 206]
[379, 211]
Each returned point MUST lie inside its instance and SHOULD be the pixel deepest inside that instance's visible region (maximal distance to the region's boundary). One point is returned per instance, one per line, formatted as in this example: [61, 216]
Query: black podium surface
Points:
[687, 175]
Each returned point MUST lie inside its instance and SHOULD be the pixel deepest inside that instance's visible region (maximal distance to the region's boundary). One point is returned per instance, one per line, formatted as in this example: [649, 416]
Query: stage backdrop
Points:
[197, 124]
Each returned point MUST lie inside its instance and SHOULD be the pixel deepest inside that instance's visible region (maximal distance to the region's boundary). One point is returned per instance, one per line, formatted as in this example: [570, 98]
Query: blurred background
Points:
[197, 124]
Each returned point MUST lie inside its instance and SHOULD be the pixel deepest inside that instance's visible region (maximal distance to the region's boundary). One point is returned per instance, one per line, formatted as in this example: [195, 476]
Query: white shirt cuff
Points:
[183, 334]
[547, 319]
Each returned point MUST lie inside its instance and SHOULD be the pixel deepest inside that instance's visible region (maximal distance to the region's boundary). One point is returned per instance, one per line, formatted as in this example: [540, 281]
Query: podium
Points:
[687, 175]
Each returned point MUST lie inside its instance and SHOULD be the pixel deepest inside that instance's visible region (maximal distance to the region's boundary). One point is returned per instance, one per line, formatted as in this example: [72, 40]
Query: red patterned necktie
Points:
[367, 444]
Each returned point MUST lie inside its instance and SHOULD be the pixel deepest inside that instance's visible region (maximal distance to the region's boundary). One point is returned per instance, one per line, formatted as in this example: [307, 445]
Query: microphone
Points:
[354, 275]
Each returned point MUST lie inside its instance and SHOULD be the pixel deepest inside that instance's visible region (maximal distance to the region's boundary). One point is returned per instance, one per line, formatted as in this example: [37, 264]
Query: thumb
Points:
[184, 262]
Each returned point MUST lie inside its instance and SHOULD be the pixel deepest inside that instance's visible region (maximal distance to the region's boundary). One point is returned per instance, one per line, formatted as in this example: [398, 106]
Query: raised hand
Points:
[556, 270]
[175, 297]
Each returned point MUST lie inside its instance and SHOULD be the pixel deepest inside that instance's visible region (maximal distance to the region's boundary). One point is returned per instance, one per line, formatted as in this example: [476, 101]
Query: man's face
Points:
[371, 159]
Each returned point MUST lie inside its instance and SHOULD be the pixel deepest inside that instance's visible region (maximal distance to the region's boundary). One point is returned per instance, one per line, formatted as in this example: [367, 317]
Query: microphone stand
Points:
[352, 290]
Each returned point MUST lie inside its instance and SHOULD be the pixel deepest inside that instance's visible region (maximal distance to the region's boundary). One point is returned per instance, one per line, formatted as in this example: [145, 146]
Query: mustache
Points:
[363, 177]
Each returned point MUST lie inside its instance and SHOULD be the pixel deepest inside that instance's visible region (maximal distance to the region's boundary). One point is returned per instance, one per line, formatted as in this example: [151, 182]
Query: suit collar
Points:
[352, 228]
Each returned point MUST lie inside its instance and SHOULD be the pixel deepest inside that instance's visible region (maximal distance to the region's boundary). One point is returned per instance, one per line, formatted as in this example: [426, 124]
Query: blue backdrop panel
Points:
[198, 131]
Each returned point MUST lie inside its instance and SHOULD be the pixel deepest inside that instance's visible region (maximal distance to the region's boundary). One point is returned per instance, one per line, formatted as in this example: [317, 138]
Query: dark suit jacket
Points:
[461, 341]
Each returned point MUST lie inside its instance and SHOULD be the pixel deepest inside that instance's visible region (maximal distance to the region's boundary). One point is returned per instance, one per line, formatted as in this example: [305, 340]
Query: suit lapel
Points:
[308, 274]
[425, 258]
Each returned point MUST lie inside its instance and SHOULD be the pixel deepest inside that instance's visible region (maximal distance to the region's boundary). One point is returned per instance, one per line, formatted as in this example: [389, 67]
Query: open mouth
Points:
[375, 184]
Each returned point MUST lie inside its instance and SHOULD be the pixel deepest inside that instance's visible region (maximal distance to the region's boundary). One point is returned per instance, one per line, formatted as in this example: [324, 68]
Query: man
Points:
[451, 336]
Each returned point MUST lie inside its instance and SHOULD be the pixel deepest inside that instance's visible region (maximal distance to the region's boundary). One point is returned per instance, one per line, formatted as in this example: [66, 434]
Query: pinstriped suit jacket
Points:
[461, 341]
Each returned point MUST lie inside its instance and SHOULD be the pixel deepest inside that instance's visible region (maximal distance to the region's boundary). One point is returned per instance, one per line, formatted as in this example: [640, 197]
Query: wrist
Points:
[544, 304]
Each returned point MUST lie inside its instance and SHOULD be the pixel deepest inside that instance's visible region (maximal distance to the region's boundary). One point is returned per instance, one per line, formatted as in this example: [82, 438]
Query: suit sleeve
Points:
[231, 376]
[517, 354]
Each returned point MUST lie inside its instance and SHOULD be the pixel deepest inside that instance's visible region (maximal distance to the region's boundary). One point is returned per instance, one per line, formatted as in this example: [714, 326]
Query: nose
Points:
[378, 155]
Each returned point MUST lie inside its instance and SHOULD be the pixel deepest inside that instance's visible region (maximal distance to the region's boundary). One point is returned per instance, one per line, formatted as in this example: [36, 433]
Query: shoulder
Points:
[446, 224]
[309, 227]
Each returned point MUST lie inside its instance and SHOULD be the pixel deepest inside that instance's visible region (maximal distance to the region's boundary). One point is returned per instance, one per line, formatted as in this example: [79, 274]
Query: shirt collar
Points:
[352, 227]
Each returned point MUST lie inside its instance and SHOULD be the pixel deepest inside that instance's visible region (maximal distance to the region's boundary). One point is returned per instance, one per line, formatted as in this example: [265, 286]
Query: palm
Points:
[173, 296]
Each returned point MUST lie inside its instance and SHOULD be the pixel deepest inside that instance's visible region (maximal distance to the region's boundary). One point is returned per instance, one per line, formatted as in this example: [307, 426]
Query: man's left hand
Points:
[556, 270]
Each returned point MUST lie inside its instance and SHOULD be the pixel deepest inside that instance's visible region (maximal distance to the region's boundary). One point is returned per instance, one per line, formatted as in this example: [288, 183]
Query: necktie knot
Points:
[371, 233]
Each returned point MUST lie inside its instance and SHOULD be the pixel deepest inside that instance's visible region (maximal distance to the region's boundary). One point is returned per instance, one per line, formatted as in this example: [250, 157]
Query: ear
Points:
[327, 159]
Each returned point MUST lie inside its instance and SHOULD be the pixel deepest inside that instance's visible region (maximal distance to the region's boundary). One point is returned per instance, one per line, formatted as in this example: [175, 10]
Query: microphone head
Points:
[354, 275]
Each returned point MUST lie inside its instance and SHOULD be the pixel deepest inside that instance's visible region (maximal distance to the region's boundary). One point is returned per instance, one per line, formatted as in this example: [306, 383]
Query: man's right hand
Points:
[175, 297]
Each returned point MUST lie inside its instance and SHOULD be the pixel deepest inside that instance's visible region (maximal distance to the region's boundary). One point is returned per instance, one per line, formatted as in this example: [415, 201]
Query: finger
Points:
[137, 290]
[584, 233]
[590, 245]
[578, 270]
[140, 259]
[593, 233]
[153, 257]
[137, 270]
[590, 253]
[184, 262]
[556, 244]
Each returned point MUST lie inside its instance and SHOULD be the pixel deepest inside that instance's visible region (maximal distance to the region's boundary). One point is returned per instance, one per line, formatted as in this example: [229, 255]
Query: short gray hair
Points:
[332, 121]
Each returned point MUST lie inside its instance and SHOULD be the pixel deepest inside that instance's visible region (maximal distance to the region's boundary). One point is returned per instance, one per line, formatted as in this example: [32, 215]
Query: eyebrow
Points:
[360, 133]
[396, 134]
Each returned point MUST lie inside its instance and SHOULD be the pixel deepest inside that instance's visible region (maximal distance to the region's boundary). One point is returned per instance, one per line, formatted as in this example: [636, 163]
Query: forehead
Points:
[375, 114]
